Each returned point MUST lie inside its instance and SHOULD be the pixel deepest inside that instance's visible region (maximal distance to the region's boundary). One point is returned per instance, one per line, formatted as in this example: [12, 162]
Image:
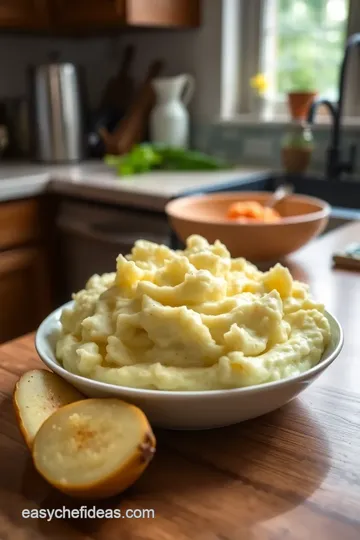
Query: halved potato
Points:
[38, 393]
[94, 448]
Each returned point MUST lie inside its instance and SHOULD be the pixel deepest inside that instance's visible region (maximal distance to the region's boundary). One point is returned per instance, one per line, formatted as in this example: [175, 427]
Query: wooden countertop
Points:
[293, 474]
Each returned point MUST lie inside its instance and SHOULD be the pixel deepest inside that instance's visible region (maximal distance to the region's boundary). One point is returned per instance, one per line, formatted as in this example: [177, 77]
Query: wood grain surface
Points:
[293, 474]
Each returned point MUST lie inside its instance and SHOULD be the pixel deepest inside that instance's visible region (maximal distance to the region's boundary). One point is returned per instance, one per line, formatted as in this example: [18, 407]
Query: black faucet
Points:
[335, 164]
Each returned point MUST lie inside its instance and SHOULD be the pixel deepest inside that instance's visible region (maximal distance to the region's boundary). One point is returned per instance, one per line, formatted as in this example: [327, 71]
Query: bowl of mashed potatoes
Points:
[194, 337]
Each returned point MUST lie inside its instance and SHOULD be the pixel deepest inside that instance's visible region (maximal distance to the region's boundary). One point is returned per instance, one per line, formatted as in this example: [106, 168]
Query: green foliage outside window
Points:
[311, 38]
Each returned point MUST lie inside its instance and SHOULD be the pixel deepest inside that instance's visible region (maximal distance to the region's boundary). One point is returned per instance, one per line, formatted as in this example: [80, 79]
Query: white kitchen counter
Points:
[95, 181]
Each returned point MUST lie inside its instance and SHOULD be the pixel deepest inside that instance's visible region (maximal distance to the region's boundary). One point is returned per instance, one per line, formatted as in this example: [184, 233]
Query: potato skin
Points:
[29, 440]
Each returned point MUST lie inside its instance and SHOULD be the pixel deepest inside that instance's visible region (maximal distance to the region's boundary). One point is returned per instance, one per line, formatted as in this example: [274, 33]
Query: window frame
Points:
[249, 39]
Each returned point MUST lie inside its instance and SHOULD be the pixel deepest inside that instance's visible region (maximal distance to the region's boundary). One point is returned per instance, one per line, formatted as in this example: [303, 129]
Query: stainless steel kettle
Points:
[57, 109]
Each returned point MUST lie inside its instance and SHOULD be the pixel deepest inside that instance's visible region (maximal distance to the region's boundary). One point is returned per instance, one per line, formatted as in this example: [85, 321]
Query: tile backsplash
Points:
[261, 144]
[98, 56]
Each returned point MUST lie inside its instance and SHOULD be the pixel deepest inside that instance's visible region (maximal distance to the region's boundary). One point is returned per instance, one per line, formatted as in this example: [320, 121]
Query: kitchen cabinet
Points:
[25, 290]
[24, 14]
[19, 223]
[85, 13]
[113, 13]
[167, 13]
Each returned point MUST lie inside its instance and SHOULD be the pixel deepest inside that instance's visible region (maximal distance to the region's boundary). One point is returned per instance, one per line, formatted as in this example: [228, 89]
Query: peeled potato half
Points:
[94, 448]
[38, 393]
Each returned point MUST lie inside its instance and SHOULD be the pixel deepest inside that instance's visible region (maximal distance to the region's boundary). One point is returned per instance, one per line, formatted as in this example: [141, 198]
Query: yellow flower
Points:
[259, 83]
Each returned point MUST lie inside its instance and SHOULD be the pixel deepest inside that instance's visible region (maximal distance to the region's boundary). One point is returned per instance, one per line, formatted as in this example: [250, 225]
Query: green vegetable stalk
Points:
[146, 157]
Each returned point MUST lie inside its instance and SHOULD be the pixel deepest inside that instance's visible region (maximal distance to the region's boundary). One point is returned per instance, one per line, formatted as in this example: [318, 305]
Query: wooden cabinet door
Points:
[91, 13]
[19, 223]
[23, 13]
[167, 13]
[82, 14]
[24, 292]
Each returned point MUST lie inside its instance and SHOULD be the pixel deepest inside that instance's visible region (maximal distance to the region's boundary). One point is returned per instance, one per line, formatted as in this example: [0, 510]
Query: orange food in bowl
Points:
[243, 211]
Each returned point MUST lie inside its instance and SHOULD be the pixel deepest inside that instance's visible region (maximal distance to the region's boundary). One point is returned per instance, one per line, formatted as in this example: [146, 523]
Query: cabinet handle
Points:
[92, 232]
[88, 231]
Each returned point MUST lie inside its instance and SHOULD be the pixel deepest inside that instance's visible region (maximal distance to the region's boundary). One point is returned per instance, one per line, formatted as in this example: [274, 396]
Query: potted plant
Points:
[297, 144]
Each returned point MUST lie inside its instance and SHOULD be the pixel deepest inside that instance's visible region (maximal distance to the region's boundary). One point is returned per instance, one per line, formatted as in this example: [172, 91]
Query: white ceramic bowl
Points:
[191, 410]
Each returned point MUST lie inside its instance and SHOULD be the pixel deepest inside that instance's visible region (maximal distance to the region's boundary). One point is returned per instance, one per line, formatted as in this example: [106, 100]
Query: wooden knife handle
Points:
[127, 60]
[131, 129]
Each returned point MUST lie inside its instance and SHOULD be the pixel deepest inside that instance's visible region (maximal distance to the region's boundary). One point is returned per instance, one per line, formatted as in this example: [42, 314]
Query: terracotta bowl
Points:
[304, 218]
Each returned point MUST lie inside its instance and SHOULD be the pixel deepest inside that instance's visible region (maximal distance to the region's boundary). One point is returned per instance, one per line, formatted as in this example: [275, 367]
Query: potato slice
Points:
[94, 448]
[38, 393]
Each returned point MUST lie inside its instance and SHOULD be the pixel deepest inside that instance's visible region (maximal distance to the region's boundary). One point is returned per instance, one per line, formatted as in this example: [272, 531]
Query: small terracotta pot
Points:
[299, 103]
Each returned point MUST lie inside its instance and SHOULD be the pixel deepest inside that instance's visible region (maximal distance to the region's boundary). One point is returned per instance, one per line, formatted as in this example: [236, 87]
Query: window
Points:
[298, 45]
[303, 43]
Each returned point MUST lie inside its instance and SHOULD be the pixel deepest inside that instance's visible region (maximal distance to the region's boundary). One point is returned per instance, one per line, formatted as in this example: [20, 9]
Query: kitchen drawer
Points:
[19, 223]
[24, 291]
[92, 236]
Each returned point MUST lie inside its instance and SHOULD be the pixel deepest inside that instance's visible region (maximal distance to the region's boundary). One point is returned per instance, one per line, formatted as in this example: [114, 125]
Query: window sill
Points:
[321, 124]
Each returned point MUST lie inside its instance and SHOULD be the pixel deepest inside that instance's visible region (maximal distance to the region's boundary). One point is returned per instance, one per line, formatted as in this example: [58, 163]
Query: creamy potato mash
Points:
[191, 320]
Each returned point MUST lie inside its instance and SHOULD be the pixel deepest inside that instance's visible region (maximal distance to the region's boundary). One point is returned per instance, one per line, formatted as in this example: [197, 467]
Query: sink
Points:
[343, 194]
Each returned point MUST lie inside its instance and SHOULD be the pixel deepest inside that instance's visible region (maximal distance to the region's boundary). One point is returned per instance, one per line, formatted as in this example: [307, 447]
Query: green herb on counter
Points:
[146, 157]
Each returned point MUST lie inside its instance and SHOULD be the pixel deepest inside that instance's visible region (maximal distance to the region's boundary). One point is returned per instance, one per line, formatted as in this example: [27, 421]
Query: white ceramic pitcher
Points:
[169, 119]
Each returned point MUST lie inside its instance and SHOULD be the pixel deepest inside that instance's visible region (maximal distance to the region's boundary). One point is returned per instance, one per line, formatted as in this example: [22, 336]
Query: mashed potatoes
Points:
[191, 320]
